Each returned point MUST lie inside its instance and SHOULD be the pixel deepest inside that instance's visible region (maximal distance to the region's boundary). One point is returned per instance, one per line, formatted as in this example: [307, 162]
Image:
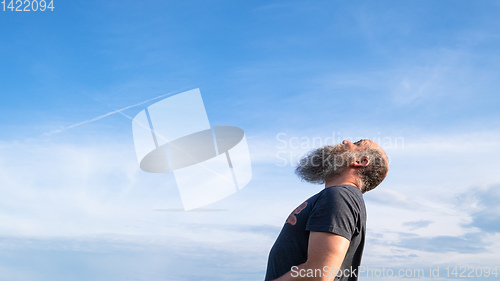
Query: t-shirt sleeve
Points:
[335, 211]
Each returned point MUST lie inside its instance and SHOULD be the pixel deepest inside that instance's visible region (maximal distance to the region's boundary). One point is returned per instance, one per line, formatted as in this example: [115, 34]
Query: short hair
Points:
[376, 170]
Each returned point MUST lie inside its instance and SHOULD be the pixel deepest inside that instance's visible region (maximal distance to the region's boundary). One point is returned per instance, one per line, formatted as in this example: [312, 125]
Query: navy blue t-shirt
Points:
[337, 209]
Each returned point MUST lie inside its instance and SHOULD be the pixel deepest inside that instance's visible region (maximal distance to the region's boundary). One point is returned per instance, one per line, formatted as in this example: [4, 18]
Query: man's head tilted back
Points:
[362, 163]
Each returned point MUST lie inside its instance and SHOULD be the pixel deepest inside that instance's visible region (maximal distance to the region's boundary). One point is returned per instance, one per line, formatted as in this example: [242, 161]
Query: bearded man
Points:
[323, 238]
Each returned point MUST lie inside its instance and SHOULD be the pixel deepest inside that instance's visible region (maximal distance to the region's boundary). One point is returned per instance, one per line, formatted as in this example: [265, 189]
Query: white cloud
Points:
[68, 190]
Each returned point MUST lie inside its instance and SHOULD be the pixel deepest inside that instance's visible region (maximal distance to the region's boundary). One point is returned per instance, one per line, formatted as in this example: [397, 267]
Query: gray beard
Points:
[324, 163]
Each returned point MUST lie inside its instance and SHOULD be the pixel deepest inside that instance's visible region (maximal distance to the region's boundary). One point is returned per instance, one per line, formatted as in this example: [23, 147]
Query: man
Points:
[323, 238]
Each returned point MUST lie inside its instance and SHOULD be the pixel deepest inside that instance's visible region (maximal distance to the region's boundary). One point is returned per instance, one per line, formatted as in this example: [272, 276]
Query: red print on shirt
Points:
[292, 219]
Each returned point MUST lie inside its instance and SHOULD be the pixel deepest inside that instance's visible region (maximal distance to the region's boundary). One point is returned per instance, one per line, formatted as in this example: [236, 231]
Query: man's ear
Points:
[363, 162]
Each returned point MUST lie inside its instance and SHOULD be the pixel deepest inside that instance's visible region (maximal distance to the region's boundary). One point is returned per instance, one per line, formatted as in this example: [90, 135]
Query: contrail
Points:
[105, 115]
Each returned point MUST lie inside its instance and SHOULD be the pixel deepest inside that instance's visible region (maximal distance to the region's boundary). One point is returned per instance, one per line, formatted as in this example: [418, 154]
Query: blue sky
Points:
[421, 76]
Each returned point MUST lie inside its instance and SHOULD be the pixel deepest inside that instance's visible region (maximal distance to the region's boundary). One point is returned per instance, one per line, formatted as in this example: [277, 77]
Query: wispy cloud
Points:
[106, 115]
[121, 257]
[417, 224]
[469, 244]
[483, 206]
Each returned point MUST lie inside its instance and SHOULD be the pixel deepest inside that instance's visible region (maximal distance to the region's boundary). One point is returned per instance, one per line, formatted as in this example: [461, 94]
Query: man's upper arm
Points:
[326, 249]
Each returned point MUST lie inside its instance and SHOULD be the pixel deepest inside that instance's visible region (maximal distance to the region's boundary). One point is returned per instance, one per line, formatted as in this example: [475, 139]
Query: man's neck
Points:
[343, 179]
